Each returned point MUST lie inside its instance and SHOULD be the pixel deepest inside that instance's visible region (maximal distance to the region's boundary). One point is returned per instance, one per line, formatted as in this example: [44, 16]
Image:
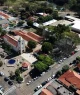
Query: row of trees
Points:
[44, 62]
[64, 69]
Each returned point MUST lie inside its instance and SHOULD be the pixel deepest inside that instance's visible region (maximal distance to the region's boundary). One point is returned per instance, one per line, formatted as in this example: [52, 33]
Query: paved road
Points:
[30, 89]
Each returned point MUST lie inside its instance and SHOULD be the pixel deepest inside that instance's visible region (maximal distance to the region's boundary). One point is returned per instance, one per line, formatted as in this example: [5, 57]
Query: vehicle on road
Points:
[10, 82]
[44, 83]
[6, 79]
[38, 87]
[53, 76]
[1, 73]
[49, 79]
[27, 83]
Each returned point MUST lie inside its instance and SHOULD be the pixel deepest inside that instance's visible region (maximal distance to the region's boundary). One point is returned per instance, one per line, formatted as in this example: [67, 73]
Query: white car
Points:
[42, 73]
[49, 79]
[64, 58]
[39, 86]
[27, 83]
[53, 76]
[1, 73]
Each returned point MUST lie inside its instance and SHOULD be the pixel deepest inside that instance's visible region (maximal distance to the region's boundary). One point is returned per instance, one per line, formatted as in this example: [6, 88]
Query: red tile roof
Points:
[35, 36]
[28, 36]
[11, 40]
[4, 15]
[25, 65]
[70, 78]
[78, 65]
[46, 92]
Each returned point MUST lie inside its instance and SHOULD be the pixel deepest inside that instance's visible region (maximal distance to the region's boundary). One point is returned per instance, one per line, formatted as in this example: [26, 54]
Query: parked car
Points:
[1, 73]
[10, 82]
[53, 76]
[27, 83]
[44, 83]
[49, 79]
[38, 87]
[6, 79]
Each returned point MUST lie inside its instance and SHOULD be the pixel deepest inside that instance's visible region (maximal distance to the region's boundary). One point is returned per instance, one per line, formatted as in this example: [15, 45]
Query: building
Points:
[19, 41]
[25, 66]
[55, 88]
[17, 45]
[75, 23]
[28, 36]
[71, 79]
[49, 22]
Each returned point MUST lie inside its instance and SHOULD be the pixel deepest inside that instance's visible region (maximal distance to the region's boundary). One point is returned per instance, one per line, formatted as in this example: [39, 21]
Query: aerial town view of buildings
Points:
[39, 47]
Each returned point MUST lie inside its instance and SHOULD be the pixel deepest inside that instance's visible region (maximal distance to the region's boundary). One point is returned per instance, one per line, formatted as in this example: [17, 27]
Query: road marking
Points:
[10, 90]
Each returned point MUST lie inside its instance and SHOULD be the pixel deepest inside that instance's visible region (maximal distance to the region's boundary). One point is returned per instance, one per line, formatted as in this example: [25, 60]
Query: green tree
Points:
[55, 14]
[32, 44]
[48, 60]
[65, 68]
[58, 73]
[40, 66]
[17, 72]
[19, 78]
[20, 23]
[46, 47]
[1, 63]
[29, 23]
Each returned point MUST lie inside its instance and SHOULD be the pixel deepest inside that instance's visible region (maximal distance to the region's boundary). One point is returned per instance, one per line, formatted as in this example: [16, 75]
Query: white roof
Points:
[29, 57]
[36, 24]
[76, 25]
[70, 17]
[49, 22]
[12, 18]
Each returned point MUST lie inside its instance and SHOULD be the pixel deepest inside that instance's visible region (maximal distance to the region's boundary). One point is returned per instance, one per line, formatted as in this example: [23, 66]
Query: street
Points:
[29, 90]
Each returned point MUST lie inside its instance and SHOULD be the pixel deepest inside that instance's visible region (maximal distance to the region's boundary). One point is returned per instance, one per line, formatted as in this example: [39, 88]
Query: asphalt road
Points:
[30, 88]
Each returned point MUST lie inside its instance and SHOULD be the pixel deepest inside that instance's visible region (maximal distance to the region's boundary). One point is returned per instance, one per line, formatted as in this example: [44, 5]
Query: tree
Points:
[20, 23]
[29, 23]
[31, 44]
[17, 72]
[65, 68]
[1, 63]
[55, 14]
[46, 47]
[2, 32]
[58, 73]
[40, 66]
[19, 78]
[46, 59]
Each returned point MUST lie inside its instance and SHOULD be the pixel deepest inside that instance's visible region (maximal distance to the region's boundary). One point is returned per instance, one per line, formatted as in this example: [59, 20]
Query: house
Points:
[71, 79]
[6, 16]
[46, 92]
[55, 88]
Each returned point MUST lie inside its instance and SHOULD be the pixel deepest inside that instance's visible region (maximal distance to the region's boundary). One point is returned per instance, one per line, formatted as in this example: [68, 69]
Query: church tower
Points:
[21, 45]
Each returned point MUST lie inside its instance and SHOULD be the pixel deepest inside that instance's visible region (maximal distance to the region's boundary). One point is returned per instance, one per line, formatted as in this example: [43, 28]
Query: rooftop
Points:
[6, 16]
[46, 92]
[28, 36]
[29, 57]
[11, 40]
[25, 64]
[62, 90]
[63, 22]
[70, 78]
[49, 22]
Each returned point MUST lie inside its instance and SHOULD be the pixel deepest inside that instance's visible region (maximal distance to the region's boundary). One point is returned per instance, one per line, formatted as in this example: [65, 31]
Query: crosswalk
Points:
[10, 90]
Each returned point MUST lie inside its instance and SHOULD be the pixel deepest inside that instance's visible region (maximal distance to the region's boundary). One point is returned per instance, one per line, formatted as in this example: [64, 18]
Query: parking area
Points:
[4, 84]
